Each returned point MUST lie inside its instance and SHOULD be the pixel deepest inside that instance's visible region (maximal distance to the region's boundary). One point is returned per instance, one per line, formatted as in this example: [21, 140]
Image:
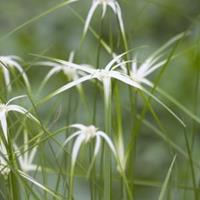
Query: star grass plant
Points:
[71, 73]
[83, 135]
[140, 71]
[103, 175]
[26, 156]
[8, 107]
[9, 62]
[113, 4]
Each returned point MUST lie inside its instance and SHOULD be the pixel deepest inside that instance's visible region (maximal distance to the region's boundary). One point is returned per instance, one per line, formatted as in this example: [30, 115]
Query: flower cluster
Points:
[77, 74]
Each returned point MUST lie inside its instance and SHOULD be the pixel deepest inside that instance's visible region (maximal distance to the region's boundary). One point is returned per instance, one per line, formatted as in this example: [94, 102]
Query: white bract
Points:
[111, 3]
[122, 158]
[139, 72]
[7, 62]
[26, 156]
[83, 135]
[5, 108]
[4, 168]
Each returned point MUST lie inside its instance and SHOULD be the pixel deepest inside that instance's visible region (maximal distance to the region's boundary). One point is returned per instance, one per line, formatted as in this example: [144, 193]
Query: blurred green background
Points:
[148, 25]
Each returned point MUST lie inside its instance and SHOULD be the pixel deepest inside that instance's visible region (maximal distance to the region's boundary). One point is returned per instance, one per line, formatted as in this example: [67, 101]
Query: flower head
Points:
[26, 157]
[71, 73]
[139, 72]
[7, 62]
[83, 135]
[5, 108]
[113, 4]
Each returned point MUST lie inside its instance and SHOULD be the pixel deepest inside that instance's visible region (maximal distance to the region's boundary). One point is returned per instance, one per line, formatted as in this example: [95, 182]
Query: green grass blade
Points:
[30, 21]
[30, 179]
[179, 105]
[166, 181]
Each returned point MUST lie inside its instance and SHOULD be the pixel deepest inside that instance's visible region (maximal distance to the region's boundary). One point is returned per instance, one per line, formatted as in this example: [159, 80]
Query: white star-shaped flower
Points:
[139, 72]
[26, 156]
[5, 108]
[111, 3]
[71, 72]
[7, 62]
[83, 135]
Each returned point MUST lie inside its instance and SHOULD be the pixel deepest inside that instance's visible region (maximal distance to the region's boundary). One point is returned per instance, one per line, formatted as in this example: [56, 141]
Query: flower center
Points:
[105, 1]
[134, 77]
[70, 72]
[2, 107]
[101, 74]
[90, 132]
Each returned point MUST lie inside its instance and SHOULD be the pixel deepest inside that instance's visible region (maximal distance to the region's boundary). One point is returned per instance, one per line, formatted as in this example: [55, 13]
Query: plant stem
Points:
[13, 183]
[191, 165]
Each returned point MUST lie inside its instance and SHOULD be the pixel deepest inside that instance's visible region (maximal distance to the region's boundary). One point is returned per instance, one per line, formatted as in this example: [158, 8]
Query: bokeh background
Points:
[148, 25]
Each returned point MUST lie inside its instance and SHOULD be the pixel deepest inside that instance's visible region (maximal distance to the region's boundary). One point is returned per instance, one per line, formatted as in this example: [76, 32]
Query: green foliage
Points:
[112, 99]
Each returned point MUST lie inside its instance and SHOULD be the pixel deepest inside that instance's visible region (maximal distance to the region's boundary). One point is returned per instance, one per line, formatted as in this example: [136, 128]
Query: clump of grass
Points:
[117, 98]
